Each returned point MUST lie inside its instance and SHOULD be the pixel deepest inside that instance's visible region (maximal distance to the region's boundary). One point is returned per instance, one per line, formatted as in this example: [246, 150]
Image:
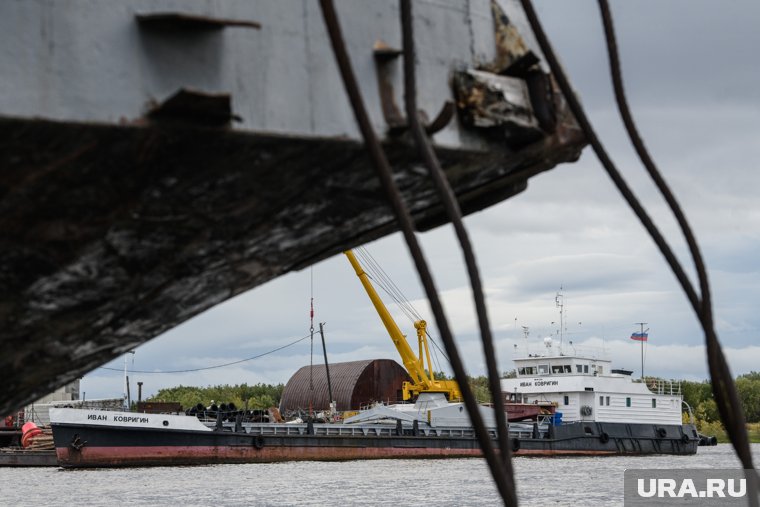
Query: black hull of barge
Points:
[593, 438]
[102, 446]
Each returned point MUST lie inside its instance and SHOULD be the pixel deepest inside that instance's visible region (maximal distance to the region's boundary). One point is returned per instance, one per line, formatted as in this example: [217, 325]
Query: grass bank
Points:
[717, 429]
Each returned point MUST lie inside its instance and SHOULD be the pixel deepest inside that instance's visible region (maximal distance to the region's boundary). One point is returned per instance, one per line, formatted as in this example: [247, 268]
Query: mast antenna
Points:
[559, 301]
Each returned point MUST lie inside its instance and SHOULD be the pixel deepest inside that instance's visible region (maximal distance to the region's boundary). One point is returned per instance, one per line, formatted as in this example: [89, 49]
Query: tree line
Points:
[242, 395]
[699, 397]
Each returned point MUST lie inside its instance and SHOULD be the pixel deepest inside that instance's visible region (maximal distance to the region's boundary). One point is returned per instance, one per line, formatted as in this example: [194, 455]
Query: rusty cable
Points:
[454, 214]
[383, 170]
[723, 386]
[716, 359]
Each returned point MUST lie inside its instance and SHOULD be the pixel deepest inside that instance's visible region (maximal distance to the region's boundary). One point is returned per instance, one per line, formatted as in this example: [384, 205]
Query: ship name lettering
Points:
[129, 419]
[96, 417]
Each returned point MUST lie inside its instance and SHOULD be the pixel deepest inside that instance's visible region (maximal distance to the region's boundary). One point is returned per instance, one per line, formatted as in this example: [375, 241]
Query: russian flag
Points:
[639, 337]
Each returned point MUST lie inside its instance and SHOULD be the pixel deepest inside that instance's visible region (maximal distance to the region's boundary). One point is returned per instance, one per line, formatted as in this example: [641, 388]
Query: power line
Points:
[215, 366]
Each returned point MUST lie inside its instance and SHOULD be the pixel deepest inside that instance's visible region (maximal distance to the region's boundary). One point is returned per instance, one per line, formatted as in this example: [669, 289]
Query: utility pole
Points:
[327, 366]
[126, 379]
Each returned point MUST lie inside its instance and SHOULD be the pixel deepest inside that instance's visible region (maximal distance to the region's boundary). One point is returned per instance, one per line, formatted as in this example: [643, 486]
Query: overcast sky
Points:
[693, 80]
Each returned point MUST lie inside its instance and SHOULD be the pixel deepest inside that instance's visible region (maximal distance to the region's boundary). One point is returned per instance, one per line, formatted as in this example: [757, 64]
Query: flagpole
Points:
[641, 336]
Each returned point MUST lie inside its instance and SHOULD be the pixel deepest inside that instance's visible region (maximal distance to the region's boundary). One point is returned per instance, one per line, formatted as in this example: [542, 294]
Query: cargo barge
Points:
[91, 438]
[19, 457]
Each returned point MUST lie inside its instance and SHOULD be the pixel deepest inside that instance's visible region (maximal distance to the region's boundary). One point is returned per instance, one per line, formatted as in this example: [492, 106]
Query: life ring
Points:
[662, 432]
[258, 442]
[685, 438]
[604, 437]
[515, 444]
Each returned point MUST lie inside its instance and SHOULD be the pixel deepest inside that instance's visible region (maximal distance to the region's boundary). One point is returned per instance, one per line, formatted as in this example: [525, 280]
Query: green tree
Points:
[695, 393]
[753, 375]
[257, 396]
[748, 390]
[707, 411]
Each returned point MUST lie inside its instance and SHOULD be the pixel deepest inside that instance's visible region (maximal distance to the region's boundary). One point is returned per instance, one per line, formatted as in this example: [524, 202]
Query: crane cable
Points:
[374, 270]
[383, 280]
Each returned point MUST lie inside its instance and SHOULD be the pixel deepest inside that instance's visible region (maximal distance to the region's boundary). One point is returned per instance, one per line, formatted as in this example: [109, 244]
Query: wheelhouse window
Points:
[627, 402]
[567, 400]
[608, 401]
[579, 368]
[654, 402]
[585, 368]
[568, 368]
[601, 401]
[557, 368]
[543, 369]
[527, 370]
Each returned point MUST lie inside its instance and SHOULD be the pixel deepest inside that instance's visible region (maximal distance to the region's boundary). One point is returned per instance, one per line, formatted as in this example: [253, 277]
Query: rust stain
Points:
[487, 100]
[512, 53]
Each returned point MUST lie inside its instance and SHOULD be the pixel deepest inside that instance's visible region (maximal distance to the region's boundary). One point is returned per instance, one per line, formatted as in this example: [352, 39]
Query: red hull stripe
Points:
[118, 456]
[98, 456]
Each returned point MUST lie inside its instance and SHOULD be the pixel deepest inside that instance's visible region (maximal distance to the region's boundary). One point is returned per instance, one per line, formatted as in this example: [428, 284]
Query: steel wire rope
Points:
[436, 362]
[404, 304]
[740, 443]
[723, 386]
[411, 313]
[381, 282]
[395, 288]
[386, 283]
[211, 367]
[384, 288]
[454, 214]
[380, 163]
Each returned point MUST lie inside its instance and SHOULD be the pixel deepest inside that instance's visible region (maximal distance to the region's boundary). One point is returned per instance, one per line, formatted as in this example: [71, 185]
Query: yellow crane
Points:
[422, 381]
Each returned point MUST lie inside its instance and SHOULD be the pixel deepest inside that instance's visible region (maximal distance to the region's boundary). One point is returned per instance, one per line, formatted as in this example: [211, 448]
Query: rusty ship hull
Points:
[109, 448]
[161, 439]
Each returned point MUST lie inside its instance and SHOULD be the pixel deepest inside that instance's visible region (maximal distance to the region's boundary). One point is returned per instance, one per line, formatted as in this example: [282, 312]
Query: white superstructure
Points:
[588, 389]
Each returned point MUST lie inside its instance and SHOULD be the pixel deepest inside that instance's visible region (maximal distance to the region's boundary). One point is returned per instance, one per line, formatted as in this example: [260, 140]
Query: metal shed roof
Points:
[353, 383]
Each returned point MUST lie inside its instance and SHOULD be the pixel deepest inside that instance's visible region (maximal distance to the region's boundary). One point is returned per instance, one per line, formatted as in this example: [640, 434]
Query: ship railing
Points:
[386, 402]
[350, 430]
[662, 386]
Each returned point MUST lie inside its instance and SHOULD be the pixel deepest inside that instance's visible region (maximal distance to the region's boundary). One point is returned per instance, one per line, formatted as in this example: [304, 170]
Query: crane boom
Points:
[422, 381]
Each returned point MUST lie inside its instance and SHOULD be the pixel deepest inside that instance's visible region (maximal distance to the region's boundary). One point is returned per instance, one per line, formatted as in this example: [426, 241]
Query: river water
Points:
[542, 482]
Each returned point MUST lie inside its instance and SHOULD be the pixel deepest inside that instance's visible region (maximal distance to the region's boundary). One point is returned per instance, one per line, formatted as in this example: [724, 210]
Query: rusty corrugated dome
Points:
[354, 383]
